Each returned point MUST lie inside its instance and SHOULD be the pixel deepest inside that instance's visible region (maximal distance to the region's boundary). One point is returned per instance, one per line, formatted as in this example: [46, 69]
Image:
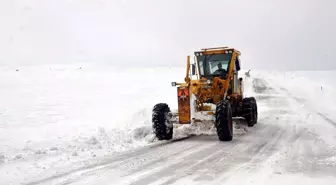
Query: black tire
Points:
[249, 108]
[223, 122]
[255, 109]
[162, 127]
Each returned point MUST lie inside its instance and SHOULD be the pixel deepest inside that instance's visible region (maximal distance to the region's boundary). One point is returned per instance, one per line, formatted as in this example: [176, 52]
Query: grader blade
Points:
[174, 118]
[239, 123]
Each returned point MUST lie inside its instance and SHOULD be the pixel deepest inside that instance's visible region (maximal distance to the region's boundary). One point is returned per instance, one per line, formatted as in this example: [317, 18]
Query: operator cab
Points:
[212, 65]
[215, 62]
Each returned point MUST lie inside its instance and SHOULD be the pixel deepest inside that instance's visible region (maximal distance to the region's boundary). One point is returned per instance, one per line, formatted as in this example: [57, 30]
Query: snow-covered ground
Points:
[55, 118]
[51, 110]
[317, 88]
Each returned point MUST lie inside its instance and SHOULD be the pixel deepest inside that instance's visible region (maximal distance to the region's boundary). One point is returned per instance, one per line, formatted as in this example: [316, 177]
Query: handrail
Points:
[225, 47]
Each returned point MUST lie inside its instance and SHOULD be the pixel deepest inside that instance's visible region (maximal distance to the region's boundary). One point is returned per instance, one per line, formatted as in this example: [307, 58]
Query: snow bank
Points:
[52, 110]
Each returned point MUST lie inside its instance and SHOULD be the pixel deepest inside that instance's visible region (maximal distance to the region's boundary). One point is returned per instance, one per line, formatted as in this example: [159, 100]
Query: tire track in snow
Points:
[256, 161]
[302, 100]
[251, 158]
[308, 155]
[135, 161]
[326, 118]
[187, 167]
[174, 160]
[105, 162]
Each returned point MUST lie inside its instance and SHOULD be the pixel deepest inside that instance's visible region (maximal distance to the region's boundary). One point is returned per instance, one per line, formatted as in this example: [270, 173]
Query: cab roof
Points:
[217, 50]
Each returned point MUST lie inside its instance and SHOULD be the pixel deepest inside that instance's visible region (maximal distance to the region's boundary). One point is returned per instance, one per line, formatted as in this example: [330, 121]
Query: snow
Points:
[52, 116]
[317, 86]
[64, 109]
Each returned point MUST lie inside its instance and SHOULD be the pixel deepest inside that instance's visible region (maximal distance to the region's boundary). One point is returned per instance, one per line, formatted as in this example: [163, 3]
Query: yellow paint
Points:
[187, 79]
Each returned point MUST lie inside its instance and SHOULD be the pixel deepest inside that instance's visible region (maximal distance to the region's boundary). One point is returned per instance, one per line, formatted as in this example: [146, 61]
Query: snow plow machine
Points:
[212, 92]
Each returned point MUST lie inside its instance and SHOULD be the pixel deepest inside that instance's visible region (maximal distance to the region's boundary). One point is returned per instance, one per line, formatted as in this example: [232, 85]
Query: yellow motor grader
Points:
[212, 91]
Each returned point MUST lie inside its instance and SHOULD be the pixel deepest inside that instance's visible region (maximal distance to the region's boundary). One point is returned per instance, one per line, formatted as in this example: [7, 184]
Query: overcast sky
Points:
[276, 34]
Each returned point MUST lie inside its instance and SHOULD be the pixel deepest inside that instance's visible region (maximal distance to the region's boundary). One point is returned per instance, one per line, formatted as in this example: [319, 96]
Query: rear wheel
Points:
[250, 111]
[162, 127]
[248, 108]
[255, 110]
[224, 121]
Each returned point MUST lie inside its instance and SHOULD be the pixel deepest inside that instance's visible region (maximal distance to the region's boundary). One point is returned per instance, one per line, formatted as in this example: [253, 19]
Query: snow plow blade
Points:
[240, 122]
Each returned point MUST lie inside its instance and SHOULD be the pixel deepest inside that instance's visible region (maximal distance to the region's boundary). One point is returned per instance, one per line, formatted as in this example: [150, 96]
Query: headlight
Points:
[208, 81]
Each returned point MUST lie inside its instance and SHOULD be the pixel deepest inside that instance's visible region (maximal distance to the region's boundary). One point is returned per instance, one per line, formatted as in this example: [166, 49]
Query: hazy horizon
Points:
[276, 35]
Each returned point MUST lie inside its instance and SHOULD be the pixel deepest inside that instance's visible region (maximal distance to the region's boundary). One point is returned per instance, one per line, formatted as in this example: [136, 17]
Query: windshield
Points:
[216, 64]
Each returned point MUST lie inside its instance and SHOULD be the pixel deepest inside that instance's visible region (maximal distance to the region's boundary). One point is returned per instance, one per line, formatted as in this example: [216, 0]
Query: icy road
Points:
[294, 142]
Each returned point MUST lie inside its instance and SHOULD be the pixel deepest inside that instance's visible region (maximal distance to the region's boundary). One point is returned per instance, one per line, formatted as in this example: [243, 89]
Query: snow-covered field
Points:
[67, 110]
[54, 118]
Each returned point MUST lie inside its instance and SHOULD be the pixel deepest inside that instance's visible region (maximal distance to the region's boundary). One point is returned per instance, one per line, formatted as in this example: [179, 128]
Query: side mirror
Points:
[193, 69]
[237, 64]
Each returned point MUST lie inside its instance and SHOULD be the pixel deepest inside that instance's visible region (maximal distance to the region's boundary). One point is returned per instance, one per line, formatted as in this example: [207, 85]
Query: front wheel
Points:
[162, 127]
[224, 121]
